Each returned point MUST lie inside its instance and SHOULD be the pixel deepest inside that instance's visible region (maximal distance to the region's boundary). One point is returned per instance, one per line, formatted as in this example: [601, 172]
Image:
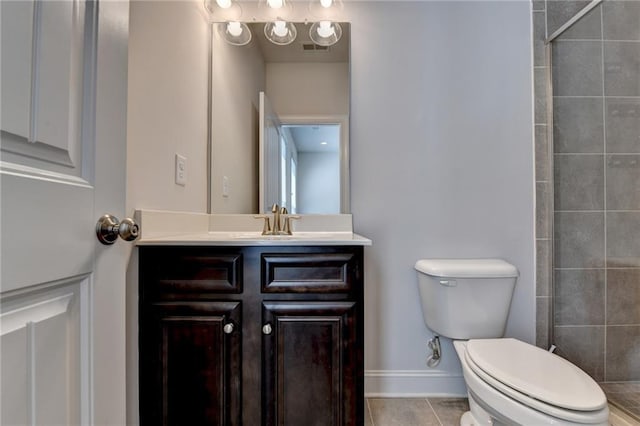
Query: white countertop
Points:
[160, 228]
[255, 239]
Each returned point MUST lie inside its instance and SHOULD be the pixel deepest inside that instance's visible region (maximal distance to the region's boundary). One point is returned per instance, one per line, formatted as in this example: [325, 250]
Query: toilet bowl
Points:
[509, 382]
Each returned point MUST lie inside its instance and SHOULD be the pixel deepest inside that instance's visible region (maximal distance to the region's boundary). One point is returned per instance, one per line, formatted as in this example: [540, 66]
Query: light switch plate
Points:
[181, 170]
[225, 186]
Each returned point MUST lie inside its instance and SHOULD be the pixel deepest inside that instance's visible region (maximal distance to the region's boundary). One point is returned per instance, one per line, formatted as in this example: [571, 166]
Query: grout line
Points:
[597, 325]
[578, 96]
[597, 211]
[579, 326]
[621, 41]
[578, 153]
[596, 269]
[433, 411]
[623, 325]
[596, 97]
[596, 40]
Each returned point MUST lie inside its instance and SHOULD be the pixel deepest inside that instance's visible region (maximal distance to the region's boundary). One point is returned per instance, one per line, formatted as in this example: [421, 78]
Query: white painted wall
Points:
[441, 165]
[166, 114]
[167, 104]
[308, 88]
[238, 77]
[318, 182]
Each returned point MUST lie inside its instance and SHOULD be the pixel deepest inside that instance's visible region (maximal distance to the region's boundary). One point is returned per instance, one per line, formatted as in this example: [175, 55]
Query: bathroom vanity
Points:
[251, 331]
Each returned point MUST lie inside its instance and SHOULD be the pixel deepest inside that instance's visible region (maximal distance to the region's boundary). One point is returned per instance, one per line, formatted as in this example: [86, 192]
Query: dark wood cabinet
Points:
[309, 363]
[265, 335]
[191, 363]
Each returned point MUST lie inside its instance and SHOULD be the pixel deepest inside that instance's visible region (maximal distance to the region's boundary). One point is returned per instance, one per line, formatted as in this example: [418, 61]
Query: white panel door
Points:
[62, 165]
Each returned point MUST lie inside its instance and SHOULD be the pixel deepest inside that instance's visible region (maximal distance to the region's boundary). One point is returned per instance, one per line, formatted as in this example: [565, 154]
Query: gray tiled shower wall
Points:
[595, 188]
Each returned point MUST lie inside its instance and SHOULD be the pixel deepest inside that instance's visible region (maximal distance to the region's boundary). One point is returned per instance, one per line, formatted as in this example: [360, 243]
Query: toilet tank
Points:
[466, 298]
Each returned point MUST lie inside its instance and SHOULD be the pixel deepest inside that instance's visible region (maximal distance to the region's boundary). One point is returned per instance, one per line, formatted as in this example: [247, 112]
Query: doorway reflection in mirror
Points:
[310, 168]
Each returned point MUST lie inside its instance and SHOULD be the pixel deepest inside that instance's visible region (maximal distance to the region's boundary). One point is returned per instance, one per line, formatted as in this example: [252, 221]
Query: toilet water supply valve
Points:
[436, 352]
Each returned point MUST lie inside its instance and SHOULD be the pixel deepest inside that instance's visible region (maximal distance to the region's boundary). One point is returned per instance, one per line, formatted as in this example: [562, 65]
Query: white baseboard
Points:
[413, 384]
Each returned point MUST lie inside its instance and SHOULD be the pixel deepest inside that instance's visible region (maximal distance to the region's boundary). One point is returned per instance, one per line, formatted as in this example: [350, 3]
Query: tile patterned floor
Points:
[415, 411]
[625, 396]
[440, 412]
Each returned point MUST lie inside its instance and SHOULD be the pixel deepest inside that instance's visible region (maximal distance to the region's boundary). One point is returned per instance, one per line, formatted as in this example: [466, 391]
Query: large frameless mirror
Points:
[280, 119]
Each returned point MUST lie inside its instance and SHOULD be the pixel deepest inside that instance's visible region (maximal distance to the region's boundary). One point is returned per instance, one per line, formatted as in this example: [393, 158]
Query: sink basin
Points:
[294, 236]
[198, 229]
[298, 238]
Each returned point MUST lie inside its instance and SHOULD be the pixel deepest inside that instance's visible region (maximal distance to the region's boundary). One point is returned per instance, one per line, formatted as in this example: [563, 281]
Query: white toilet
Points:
[509, 382]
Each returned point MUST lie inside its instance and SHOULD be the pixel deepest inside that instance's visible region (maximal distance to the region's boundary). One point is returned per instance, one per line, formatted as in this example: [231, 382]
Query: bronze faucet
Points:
[279, 213]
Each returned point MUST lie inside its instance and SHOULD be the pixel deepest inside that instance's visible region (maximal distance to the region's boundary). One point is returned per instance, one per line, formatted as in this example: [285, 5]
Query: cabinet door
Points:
[312, 364]
[190, 364]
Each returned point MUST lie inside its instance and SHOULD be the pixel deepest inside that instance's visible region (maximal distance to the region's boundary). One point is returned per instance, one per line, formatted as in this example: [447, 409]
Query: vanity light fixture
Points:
[275, 9]
[324, 9]
[325, 33]
[235, 32]
[275, 4]
[223, 10]
[280, 32]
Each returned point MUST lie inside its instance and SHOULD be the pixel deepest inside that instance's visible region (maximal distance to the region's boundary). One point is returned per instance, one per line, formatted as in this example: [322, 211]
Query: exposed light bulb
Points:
[234, 32]
[223, 4]
[280, 28]
[325, 29]
[326, 3]
[325, 33]
[323, 143]
[275, 4]
[234, 28]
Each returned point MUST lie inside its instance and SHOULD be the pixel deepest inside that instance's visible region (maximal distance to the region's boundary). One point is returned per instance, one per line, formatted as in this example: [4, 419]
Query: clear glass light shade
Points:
[223, 10]
[280, 32]
[324, 9]
[325, 33]
[272, 10]
[234, 32]
[276, 4]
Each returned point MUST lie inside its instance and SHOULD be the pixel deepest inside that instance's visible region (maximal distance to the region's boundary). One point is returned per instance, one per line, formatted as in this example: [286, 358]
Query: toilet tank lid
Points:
[467, 268]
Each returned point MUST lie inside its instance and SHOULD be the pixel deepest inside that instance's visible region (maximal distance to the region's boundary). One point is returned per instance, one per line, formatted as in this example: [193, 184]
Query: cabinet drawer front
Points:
[197, 275]
[308, 273]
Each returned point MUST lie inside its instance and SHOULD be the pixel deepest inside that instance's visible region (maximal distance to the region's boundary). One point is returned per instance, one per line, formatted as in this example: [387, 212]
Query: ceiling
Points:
[308, 137]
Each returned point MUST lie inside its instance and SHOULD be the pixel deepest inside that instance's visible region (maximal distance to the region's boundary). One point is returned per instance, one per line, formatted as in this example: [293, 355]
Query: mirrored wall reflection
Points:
[310, 168]
[306, 84]
[596, 140]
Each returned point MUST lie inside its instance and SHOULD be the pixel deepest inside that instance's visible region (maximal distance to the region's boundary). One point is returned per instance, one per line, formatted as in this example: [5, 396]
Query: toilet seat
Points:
[523, 372]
